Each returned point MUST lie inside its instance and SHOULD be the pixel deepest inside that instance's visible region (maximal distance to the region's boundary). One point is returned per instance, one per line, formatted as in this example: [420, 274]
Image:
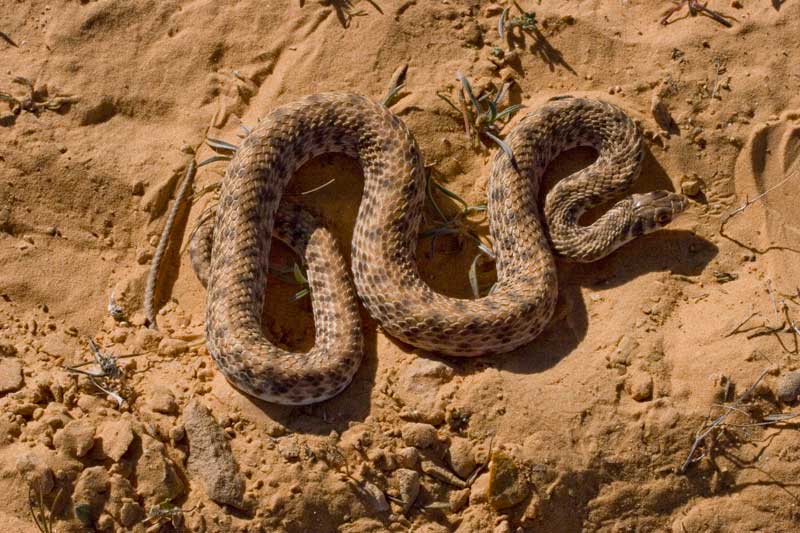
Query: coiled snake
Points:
[231, 255]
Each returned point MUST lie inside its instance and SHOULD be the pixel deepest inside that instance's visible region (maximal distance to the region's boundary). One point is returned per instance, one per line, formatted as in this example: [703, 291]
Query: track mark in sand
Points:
[771, 159]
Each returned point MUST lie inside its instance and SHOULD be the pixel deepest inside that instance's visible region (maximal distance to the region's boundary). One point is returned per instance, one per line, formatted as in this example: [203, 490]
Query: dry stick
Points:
[793, 328]
[155, 265]
[735, 330]
[700, 437]
[465, 114]
[748, 203]
[7, 39]
[694, 7]
[396, 82]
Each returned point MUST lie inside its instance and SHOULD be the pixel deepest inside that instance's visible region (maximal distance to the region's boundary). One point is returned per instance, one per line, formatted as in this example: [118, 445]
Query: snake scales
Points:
[231, 255]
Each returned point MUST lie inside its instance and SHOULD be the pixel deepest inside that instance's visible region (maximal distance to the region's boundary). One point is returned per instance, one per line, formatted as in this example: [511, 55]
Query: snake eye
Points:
[663, 218]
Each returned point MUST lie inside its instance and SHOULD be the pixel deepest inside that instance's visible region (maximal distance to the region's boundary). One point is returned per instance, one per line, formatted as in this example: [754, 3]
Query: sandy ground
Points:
[589, 428]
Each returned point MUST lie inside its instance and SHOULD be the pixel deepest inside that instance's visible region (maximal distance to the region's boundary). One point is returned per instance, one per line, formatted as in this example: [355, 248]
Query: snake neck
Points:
[581, 243]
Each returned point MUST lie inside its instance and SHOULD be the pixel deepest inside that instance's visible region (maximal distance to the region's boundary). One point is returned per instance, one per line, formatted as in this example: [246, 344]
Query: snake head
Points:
[654, 210]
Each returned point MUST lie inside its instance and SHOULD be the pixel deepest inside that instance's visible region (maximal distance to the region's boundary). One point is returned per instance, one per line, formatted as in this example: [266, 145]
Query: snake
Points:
[230, 251]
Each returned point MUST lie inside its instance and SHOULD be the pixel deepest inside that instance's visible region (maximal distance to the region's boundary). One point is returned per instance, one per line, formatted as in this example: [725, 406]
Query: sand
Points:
[590, 428]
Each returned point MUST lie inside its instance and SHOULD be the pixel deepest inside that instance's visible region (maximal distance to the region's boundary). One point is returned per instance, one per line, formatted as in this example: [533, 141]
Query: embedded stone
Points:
[462, 459]
[161, 400]
[116, 437]
[10, 375]
[407, 485]
[210, 457]
[788, 387]
[419, 435]
[507, 485]
[76, 439]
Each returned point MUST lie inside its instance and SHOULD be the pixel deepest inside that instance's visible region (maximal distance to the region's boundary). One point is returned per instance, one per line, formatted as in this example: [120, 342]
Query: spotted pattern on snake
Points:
[232, 254]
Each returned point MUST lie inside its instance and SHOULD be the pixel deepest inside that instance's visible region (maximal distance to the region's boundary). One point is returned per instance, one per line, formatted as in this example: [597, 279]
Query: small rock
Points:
[130, 513]
[479, 490]
[639, 385]
[177, 434]
[35, 473]
[129, 291]
[9, 430]
[156, 478]
[382, 459]
[161, 400]
[172, 347]
[25, 409]
[507, 74]
[473, 36]
[90, 494]
[376, 496]
[146, 339]
[116, 437]
[7, 350]
[210, 457]
[458, 499]
[507, 485]
[492, 10]
[788, 387]
[76, 439]
[419, 435]
[502, 527]
[122, 503]
[289, 450]
[56, 415]
[408, 457]
[462, 459]
[105, 522]
[118, 335]
[138, 319]
[661, 113]
[10, 375]
[690, 185]
[418, 388]
[143, 256]
[406, 483]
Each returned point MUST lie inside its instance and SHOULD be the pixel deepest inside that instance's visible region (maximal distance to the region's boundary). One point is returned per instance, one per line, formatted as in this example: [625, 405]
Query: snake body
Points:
[234, 259]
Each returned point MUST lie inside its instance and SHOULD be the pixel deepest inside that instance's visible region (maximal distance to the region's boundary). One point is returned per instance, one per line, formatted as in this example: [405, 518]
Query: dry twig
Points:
[718, 422]
[155, 264]
[109, 370]
[7, 39]
[694, 7]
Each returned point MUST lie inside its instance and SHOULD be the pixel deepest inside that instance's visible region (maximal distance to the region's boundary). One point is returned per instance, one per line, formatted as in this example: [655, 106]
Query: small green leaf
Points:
[510, 110]
[451, 194]
[299, 277]
[501, 24]
[387, 100]
[468, 90]
[224, 146]
[473, 277]
[299, 295]
[213, 159]
[505, 147]
[492, 113]
[449, 102]
[502, 92]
